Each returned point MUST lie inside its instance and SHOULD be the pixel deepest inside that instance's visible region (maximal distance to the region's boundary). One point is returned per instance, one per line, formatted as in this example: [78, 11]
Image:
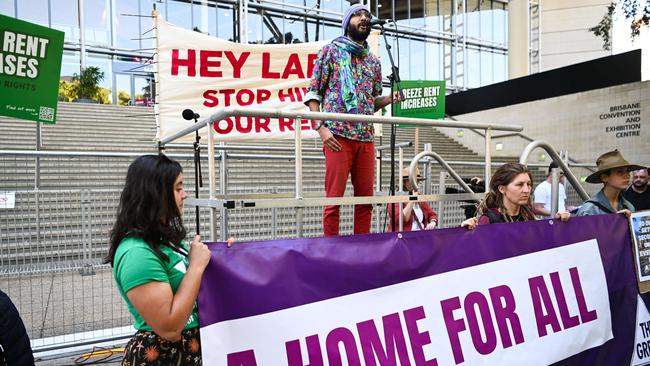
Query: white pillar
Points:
[518, 39]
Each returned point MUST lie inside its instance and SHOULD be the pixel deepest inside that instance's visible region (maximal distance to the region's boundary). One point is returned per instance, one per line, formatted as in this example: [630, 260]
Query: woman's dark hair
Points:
[147, 207]
[502, 177]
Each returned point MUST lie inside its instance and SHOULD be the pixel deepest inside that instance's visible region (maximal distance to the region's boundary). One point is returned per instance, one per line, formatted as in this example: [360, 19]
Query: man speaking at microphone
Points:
[347, 79]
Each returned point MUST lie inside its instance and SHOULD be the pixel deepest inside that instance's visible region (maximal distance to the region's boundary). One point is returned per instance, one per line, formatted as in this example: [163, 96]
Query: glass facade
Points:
[461, 41]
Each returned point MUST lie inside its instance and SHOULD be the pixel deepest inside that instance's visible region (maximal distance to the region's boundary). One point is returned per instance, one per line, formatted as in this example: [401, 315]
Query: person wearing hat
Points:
[415, 215]
[347, 79]
[613, 171]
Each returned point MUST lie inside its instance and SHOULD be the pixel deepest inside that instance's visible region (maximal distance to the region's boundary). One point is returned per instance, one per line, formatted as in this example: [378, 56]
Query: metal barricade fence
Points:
[53, 241]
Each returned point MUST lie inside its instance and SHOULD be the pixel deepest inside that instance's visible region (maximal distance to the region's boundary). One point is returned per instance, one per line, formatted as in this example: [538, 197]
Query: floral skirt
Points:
[146, 348]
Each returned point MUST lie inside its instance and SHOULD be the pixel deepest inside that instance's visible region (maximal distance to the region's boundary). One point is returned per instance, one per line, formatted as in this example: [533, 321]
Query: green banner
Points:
[30, 66]
[422, 99]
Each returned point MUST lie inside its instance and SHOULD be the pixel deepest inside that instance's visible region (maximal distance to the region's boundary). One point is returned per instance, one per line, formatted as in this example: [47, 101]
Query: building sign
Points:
[30, 66]
[422, 99]
[623, 120]
[523, 293]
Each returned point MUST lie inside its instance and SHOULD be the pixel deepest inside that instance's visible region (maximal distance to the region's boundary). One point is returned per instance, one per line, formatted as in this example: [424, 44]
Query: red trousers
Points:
[357, 159]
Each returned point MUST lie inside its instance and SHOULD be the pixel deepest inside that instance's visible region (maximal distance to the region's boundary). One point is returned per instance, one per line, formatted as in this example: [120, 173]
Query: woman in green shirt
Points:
[157, 273]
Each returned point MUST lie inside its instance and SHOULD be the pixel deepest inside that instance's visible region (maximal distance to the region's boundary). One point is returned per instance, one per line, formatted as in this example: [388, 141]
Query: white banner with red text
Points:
[203, 73]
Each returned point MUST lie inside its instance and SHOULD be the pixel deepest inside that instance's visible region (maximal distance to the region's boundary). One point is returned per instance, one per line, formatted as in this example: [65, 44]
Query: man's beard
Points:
[356, 35]
[639, 183]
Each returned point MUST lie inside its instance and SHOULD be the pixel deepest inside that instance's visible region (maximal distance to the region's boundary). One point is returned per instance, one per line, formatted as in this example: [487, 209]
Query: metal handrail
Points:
[277, 113]
[443, 163]
[527, 138]
[107, 154]
[245, 147]
[556, 158]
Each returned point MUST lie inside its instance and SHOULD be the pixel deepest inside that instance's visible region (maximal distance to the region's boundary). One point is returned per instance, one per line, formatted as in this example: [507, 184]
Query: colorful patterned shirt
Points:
[325, 87]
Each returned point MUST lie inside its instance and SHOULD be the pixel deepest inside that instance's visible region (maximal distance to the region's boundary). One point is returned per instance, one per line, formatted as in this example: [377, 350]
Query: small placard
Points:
[422, 99]
[640, 225]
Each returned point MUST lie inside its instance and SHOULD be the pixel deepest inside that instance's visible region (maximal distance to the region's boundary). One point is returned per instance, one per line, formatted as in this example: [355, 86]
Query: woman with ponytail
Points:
[508, 198]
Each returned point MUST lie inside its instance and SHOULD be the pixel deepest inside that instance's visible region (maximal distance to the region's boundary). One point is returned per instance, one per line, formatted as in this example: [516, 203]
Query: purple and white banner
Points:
[533, 293]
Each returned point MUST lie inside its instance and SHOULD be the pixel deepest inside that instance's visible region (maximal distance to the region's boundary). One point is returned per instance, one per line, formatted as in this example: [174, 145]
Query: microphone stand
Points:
[198, 177]
[394, 81]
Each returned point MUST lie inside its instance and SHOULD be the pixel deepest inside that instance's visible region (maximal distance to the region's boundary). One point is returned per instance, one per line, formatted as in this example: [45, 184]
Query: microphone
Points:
[377, 21]
[189, 115]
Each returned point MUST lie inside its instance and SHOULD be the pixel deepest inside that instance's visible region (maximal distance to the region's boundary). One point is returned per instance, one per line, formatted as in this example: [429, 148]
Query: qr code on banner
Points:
[46, 114]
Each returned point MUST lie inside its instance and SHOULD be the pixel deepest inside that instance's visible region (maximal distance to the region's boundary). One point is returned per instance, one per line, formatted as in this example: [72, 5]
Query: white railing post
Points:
[298, 165]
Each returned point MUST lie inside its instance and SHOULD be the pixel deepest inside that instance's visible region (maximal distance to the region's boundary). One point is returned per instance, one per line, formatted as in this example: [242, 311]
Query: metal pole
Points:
[488, 156]
[378, 188]
[444, 166]
[223, 184]
[427, 170]
[454, 45]
[298, 164]
[274, 217]
[441, 189]
[212, 185]
[82, 40]
[568, 174]
[37, 180]
[401, 188]
[86, 234]
[555, 190]
[243, 21]
[465, 44]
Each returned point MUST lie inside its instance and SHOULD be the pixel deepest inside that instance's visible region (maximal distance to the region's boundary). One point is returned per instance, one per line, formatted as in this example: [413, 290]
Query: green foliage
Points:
[630, 11]
[103, 96]
[603, 28]
[123, 98]
[67, 91]
[88, 82]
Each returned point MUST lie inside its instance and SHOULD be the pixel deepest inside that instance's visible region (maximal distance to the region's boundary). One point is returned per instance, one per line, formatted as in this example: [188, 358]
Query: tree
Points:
[88, 82]
[630, 9]
[631, 12]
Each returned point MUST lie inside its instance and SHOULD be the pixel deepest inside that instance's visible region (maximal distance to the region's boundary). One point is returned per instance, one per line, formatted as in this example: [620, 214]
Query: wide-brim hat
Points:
[405, 174]
[608, 161]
